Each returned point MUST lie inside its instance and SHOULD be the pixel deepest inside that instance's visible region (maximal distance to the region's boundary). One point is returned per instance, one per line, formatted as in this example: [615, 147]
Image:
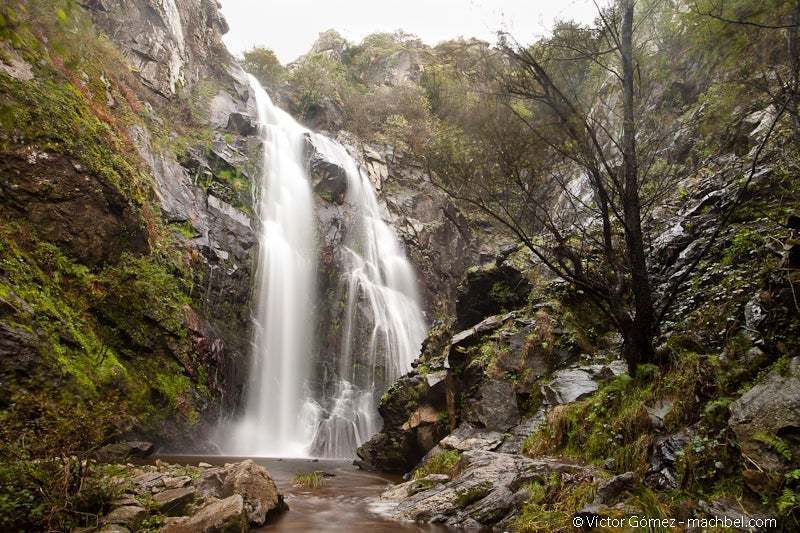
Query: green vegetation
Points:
[309, 480]
[444, 462]
[103, 349]
[551, 504]
[264, 65]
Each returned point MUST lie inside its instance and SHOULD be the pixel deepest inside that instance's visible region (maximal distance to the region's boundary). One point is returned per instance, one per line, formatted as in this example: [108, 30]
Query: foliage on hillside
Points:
[99, 350]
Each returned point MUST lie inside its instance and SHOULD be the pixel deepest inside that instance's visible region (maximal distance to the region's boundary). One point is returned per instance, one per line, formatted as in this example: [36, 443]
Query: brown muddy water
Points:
[349, 500]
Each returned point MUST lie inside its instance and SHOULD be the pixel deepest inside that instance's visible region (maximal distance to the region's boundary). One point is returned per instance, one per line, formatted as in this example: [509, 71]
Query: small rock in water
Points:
[203, 465]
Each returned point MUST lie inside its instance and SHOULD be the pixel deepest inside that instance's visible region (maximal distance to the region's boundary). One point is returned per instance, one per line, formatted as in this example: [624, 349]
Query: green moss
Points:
[472, 494]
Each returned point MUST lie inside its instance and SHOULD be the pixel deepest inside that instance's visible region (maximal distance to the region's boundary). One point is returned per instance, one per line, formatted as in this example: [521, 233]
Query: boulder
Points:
[489, 291]
[568, 386]
[496, 405]
[484, 492]
[174, 501]
[222, 516]
[122, 451]
[767, 417]
[467, 437]
[127, 515]
[573, 384]
[253, 483]
[662, 472]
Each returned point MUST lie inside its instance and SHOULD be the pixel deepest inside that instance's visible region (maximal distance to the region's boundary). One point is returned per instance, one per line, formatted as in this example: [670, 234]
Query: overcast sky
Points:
[290, 27]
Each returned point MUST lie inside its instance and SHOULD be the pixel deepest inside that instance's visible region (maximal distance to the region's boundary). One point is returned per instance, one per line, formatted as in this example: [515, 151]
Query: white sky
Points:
[290, 27]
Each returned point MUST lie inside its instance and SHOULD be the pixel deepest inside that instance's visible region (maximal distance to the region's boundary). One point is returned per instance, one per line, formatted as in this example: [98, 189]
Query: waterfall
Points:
[383, 324]
[382, 312]
[285, 292]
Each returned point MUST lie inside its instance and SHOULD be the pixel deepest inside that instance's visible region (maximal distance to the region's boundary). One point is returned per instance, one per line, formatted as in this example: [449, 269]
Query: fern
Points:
[777, 444]
[788, 501]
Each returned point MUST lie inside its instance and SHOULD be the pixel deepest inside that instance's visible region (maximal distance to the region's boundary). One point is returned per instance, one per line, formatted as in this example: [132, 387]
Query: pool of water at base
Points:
[349, 499]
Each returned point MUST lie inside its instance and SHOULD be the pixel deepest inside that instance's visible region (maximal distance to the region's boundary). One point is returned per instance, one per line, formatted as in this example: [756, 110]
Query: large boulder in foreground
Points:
[766, 419]
[489, 488]
[259, 492]
[208, 499]
[222, 516]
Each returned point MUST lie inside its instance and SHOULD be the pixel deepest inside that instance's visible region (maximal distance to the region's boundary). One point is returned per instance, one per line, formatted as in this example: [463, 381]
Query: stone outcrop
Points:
[167, 42]
[208, 499]
[71, 206]
[483, 493]
[766, 419]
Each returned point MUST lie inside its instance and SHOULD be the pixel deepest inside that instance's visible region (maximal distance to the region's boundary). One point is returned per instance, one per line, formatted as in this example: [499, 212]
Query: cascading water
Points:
[383, 316]
[383, 322]
[285, 293]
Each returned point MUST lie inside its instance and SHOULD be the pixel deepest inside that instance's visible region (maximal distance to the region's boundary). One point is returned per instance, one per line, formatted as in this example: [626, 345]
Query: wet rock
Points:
[516, 436]
[569, 386]
[489, 291]
[13, 65]
[241, 123]
[223, 516]
[754, 313]
[771, 409]
[210, 483]
[662, 471]
[409, 488]
[572, 384]
[722, 509]
[177, 482]
[128, 515]
[658, 412]
[463, 338]
[328, 177]
[147, 481]
[609, 491]
[495, 407]
[122, 451]
[467, 437]
[484, 491]
[82, 213]
[174, 501]
[115, 528]
[409, 428]
[253, 483]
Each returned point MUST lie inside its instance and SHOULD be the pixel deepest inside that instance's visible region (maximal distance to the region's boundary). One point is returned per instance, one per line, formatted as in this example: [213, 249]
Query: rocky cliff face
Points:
[127, 141]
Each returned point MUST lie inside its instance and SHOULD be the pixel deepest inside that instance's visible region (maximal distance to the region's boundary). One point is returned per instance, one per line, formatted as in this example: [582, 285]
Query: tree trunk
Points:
[640, 334]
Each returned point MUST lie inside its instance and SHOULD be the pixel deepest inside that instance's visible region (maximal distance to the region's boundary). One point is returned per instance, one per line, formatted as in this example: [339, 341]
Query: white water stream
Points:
[383, 322]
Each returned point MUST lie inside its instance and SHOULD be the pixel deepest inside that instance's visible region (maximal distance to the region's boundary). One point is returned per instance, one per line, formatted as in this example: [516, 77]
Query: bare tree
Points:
[593, 240]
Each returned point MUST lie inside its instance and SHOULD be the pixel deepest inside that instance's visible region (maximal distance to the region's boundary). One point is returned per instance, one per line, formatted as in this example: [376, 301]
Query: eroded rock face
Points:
[75, 209]
[413, 423]
[770, 410]
[489, 291]
[168, 42]
[483, 492]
